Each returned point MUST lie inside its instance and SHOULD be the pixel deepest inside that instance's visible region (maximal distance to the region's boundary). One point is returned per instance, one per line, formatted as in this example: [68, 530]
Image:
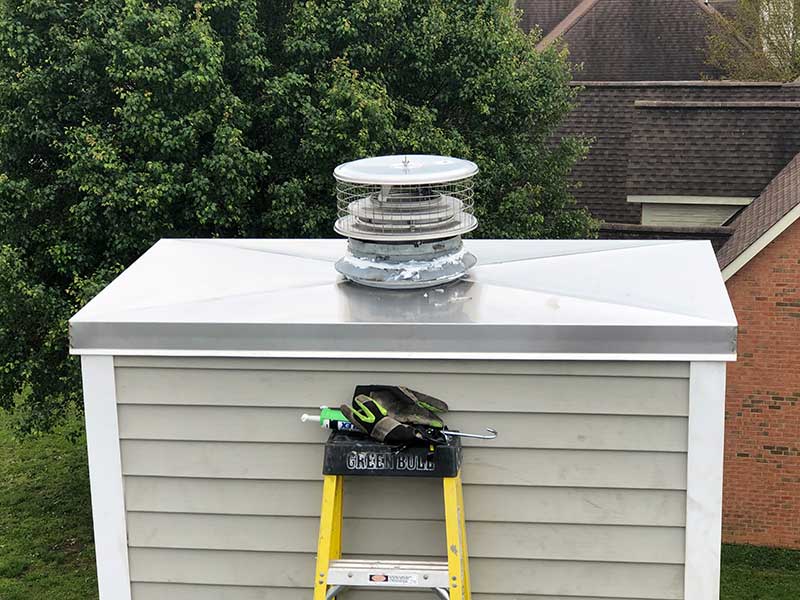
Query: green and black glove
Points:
[396, 415]
[368, 415]
[405, 405]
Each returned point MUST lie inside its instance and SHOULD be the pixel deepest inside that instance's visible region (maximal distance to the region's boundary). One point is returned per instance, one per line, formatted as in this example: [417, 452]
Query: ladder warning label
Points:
[410, 579]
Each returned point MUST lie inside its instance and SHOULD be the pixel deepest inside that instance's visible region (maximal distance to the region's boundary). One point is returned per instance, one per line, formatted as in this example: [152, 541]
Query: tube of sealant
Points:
[331, 418]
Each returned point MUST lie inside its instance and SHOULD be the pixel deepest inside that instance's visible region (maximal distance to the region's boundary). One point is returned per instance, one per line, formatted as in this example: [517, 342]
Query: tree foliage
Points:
[759, 41]
[125, 121]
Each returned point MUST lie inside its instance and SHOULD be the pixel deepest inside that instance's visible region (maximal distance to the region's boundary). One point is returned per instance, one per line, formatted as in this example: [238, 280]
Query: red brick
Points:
[761, 489]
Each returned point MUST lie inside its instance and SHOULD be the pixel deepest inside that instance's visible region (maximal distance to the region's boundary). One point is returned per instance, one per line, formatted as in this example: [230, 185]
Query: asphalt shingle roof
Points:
[777, 199]
[636, 40]
[545, 14]
[756, 142]
[710, 148]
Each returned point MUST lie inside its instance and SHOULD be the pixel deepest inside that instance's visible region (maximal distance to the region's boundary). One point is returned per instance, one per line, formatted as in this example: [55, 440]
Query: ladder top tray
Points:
[352, 454]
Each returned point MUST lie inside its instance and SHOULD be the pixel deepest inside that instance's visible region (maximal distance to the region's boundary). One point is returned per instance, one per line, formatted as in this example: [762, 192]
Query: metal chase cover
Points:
[649, 300]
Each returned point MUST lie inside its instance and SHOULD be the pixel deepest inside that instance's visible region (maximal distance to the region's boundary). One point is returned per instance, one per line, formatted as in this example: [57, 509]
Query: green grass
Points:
[46, 550]
[753, 573]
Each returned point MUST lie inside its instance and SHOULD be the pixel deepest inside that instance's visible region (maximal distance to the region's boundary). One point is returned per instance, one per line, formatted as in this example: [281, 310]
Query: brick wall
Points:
[761, 490]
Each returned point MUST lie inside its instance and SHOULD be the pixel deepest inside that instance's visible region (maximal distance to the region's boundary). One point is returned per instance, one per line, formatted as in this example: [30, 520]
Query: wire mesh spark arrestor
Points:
[404, 216]
[358, 456]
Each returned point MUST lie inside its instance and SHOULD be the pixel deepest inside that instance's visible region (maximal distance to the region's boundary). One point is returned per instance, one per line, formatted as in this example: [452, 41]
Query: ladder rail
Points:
[329, 545]
[448, 580]
[455, 538]
[464, 545]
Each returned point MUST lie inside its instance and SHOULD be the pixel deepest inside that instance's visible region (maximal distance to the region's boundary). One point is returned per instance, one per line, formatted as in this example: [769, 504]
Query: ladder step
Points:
[388, 573]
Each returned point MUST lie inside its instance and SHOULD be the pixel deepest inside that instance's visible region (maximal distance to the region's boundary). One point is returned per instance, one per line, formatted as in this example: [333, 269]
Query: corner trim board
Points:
[704, 480]
[105, 477]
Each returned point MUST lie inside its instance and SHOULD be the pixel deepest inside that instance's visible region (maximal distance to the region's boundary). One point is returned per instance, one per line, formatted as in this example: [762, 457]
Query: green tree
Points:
[759, 41]
[124, 121]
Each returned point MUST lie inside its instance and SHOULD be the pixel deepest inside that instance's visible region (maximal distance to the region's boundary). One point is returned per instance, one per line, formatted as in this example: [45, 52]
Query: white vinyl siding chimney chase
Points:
[200, 462]
[588, 493]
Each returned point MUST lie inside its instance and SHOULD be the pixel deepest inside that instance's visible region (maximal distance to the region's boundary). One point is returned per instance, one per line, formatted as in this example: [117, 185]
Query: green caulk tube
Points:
[331, 418]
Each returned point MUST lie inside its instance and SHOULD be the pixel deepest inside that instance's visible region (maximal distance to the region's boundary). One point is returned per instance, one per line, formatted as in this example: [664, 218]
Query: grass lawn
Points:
[751, 573]
[46, 548]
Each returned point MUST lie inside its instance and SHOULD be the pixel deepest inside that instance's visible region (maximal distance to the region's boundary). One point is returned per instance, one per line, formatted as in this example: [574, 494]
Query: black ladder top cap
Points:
[356, 455]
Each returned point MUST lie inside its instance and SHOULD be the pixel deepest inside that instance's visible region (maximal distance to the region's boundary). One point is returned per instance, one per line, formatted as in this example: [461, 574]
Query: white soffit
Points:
[525, 298]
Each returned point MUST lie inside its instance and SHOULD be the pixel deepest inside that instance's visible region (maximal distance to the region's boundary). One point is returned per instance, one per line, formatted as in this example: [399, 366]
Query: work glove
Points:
[372, 418]
[405, 405]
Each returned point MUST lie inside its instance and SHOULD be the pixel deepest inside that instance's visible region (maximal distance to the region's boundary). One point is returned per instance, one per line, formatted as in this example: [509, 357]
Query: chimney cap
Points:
[405, 169]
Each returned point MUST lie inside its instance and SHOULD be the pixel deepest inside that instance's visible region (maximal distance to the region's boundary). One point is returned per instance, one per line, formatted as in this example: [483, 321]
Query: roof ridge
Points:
[567, 23]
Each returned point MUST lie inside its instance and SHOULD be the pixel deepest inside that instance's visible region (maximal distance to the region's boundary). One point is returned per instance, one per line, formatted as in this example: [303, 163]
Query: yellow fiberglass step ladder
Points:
[449, 579]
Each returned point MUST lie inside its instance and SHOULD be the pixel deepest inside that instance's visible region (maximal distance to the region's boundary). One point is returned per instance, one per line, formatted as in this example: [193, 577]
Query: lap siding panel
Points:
[582, 497]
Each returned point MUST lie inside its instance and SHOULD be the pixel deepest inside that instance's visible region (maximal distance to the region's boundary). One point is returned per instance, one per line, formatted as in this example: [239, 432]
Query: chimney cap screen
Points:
[405, 198]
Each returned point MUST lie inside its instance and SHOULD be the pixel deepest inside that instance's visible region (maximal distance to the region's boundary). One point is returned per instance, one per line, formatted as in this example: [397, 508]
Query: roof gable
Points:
[781, 198]
[637, 40]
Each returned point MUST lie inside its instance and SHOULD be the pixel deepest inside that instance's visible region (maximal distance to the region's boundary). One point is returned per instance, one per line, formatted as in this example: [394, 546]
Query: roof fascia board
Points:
[566, 24]
[721, 200]
[762, 242]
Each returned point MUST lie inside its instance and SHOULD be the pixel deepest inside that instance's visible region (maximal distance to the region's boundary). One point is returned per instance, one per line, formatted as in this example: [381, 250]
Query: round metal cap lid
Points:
[405, 169]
